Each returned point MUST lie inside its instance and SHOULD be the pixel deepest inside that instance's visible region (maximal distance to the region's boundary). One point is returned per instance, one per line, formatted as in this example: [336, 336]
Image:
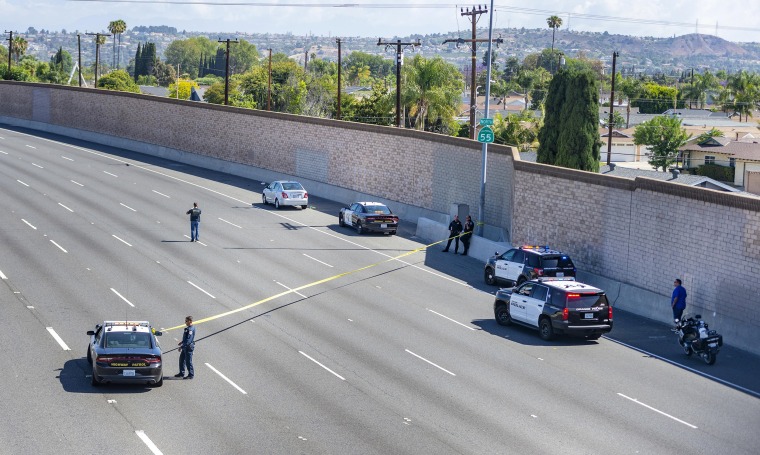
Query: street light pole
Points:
[484, 158]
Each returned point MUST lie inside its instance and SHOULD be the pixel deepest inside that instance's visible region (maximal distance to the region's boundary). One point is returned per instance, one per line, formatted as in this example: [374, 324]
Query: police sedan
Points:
[369, 217]
[125, 352]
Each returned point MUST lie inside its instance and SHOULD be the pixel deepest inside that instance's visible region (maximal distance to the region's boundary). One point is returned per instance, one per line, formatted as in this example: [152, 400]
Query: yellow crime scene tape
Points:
[305, 286]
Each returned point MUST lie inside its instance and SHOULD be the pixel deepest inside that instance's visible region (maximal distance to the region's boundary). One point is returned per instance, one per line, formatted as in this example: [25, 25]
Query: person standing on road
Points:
[678, 300]
[195, 221]
[455, 228]
[469, 226]
[186, 348]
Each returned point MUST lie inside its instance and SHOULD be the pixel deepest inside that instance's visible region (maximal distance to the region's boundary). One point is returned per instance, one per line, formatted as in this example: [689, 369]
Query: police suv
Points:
[518, 265]
[555, 306]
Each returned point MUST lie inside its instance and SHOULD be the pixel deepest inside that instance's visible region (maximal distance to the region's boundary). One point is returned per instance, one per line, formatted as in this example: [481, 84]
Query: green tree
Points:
[377, 109]
[18, 48]
[116, 28]
[569, 136]
[664, 136]
[118, 80]
[288, 85]
[656, 99]
[714, 132]
[182, 89]
[379, 68]
[745, 88]
[432, 89]
[62, 61]
[243, 57]
[554, 22]
[164, 73]
[519, 130]
[187, 53]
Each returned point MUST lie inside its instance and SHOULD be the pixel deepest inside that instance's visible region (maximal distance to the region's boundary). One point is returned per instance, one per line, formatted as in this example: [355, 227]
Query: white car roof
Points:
[127, 326]
[570, 286]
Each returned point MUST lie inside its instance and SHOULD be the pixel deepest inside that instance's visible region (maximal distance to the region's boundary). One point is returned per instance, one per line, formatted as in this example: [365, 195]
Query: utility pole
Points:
[305, 60]
[340, 63]
[399, 62]
[79, 57]
[474, 13]
[612, 106]
[269, 84]
[97, 53]
[227, 71]
[10, 47]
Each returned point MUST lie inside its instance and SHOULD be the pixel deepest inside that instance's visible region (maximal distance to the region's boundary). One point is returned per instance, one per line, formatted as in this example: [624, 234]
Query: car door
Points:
[269, 191]
[356, 214]
[516, 265]
[538, 296]
[519, 302]
[348, 214]
[501, 265]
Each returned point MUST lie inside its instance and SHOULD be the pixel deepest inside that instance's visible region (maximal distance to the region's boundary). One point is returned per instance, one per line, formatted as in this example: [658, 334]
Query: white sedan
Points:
[282, 192]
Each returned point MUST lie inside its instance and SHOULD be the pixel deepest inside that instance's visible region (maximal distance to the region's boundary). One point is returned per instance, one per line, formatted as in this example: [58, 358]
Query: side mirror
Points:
[90, 332]
[158, 333]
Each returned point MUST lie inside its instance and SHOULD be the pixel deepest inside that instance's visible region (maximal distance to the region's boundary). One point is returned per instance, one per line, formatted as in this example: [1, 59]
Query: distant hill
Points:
[697, 44]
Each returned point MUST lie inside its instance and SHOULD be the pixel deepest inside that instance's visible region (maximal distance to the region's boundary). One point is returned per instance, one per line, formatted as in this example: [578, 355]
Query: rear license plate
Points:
[298, 195]
[129, 372]
[588, 316]
[560, 274]
[383, 226]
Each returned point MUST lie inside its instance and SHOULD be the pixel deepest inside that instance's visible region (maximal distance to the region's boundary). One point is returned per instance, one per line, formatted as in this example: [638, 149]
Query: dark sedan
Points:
[125, 352]
[369, 217]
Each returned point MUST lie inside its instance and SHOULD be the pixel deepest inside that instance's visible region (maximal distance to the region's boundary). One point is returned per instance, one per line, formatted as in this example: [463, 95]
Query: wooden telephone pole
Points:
[226, 71]
[399, 62]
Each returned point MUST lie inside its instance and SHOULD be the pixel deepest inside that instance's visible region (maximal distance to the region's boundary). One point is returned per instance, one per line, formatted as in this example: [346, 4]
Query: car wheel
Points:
[520, 280]
[340, 220]
[277, 204]
[489, 276]
[95, 381]
[709, 357]
[159, 383]
[304, 207]
[593, 337]
[393, 232]
[264, 198]
[359, 228]
[89, 355]
[503, 317]
[545, 329]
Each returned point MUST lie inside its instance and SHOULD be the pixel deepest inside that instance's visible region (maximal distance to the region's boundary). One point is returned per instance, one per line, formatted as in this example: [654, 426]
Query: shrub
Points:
[717, 172]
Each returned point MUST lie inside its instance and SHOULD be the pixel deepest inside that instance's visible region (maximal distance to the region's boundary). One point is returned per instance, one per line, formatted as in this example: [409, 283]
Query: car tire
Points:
[359, 228]
[593, 337]
[89, 356]
[502, 315]
[277, 204]
[489, 276]
[393, 232]
[159, 383]
[340, 220]
[94, 381]
[545, 329]
[264, 198]
[709, 357]
[304, 207]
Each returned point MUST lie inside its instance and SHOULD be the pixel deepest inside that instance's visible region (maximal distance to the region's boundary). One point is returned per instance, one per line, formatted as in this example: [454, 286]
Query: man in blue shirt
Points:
[195, 221]
[186, 348]
[678, 300]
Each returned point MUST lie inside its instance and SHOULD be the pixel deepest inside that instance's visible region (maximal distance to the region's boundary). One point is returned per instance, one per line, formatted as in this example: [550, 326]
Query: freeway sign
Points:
[486, 121]
[485, 134]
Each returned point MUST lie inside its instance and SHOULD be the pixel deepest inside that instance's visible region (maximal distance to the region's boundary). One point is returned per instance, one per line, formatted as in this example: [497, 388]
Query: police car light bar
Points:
[126, 324]
[535, 247]
[556, 278]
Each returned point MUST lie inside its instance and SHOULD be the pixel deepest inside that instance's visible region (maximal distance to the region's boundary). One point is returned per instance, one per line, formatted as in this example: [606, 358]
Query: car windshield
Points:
[551, 262]
[292, 186]
[377, 209]
[127, 340]
[575, 301]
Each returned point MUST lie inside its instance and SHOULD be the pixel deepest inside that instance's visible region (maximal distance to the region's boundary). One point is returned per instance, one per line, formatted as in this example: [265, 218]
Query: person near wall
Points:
[469, 226]
[678, 300]
[455, 228]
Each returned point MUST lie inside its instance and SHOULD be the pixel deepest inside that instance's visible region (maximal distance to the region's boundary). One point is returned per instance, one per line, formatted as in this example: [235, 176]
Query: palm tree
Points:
[554, 22]
[117, 27]
[18, 48]
[431, 89]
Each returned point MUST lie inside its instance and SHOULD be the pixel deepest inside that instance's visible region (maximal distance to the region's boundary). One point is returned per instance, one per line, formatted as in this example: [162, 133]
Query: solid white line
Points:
[130, 208]
[106, 172]
[2, 275]
[446, 317]
[58, 339]
[35, 164]
[331, 371]
[59, 246]
[153, 448]
[314, 259]
[29, 224]
[705, 375]
[227, 379]
[200, 289]
[4, 153]
[65, 207]
[66, 158]
[290, 289]
[122, 241]
[76, 183]
[658, 411]
[19, 181]
[428, 361]
[197, 241]
[221, 219]
[122, 297]
[31, 146]
[162, 194]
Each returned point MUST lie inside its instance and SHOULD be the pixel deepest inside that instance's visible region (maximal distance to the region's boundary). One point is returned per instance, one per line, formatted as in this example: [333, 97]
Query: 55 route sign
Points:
[485, 134]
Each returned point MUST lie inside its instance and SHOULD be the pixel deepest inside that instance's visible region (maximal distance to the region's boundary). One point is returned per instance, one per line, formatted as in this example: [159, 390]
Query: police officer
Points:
[469, 226]
[455, 228]
[186, 348]
[195, 221]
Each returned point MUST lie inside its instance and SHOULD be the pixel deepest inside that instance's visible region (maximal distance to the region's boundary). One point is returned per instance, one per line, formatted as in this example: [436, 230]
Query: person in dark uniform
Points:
[469, 226]
[186, 348]
[195, 221]
[455, 228]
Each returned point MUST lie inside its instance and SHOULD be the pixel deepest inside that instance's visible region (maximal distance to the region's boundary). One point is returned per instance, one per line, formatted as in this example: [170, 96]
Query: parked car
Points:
[125, 352]
[555, 305]
[281, 193]
[517, 265]
[369, 217]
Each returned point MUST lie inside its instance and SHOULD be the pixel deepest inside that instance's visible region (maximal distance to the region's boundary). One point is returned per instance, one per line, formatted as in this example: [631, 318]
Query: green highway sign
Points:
[486, 121]
[485, 134]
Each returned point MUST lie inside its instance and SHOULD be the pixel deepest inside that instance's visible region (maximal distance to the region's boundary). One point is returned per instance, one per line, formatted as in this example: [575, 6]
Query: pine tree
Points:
[138, 61]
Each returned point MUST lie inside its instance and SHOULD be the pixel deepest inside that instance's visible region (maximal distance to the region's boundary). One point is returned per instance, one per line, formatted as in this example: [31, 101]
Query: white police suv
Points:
[518, 265]
[555, 306]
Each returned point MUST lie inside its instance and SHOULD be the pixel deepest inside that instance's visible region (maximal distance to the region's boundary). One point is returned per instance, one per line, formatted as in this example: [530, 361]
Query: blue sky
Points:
[736, 20]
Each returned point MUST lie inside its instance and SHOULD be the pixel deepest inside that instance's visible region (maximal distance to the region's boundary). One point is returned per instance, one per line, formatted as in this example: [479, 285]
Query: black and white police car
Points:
[518, 265]
[555, 306]
[125, 352]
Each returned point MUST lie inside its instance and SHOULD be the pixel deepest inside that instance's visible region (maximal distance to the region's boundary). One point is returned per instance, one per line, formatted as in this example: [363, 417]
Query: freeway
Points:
[401, 357]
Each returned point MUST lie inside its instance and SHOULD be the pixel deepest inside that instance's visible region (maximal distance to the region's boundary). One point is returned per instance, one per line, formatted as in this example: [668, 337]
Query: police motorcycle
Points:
[695, 337]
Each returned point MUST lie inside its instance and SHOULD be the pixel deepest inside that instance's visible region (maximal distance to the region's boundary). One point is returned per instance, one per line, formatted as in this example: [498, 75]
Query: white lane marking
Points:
[657, 411]
[65, 207]
[446, 317]
[428, 361]
[290, 289]
[76, 183]
[162, 194]
[2, 275]
[35, 164]
[66, 158]
[197, 241]
[4, 153]
[122, 297]
[200, 289]
[59, 246]
[331, 371]
[29, 224]
[130, 208]
[122, 241]
[314, 259]
[145, 439]
[227, 379]
[58, 339]
[31, 146]
[233, 224]
[680, 365]
[19, 181]
[106, 172]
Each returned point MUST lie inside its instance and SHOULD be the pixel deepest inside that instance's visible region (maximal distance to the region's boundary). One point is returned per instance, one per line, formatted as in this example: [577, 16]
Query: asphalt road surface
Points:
[334, 343]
